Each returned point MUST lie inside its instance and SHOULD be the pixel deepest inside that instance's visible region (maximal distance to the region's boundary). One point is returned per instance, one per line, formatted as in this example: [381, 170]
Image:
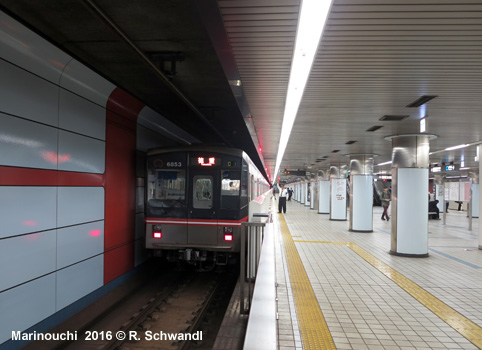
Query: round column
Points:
[474, 194]
[302, 192]
[313, 194]
[409, 201]
[439, 180]
[307, 193]
[479, 151]
[361, 192]
[324, 192]
[338, 193]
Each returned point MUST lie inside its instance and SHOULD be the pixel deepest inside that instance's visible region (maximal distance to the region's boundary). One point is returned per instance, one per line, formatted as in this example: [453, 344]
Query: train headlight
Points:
[228, 233]
[156, 231]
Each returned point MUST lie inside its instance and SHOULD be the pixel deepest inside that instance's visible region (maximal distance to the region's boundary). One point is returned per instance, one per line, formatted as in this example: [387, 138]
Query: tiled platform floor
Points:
[362, 307]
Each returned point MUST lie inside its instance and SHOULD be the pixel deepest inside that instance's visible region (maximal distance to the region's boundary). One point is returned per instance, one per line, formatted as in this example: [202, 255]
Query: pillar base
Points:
[338, 219]
[480, 247]
[323, 213]
[351, 230]
[409, 255]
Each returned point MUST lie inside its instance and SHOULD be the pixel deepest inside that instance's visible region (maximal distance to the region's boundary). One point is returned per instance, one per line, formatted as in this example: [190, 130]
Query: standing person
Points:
[385, 197]
[290, 193]
[283, 194]
[275, 189]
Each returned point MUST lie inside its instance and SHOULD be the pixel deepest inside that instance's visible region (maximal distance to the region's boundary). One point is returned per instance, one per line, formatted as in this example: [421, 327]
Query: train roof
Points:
[202, 148]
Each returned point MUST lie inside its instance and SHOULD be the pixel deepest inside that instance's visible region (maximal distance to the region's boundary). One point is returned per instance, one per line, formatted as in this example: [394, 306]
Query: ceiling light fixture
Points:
[457, 147]
[389, 162]
[421, 100]
[313, 15]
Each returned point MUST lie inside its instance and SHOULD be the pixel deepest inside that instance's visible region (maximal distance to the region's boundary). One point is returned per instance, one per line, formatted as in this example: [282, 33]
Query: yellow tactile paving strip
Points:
[471, 331]
[313, 328]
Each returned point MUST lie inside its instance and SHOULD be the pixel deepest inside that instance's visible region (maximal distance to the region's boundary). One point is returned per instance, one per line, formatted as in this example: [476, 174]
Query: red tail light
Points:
[228, 237]
[157, 234]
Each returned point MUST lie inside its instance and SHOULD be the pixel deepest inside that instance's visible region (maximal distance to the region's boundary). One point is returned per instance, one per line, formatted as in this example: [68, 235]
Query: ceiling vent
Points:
[393, 118]
[421, 100]
[335, 151]
[350, 142]
[375, 128]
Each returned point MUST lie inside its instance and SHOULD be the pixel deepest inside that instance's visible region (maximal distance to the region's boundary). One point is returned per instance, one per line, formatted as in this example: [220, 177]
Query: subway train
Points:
[196, 199]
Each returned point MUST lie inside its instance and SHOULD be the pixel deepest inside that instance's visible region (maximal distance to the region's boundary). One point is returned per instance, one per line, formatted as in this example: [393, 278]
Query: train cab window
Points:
[165, 187]
[230, 187]
[202, 192]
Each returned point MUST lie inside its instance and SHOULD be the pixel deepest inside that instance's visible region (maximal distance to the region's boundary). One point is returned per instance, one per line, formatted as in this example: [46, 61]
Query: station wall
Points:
[71, 189]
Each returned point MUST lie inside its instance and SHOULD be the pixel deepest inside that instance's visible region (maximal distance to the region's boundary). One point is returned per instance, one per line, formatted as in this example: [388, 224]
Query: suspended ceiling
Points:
[375, 58]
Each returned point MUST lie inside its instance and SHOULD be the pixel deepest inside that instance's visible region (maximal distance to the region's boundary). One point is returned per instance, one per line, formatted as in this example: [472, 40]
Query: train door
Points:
[203, 207]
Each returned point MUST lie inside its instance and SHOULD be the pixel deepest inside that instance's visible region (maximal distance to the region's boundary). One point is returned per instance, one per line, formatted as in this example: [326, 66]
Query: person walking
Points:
[290, 193]
[283, 194]
[275, 190]
[386, 198]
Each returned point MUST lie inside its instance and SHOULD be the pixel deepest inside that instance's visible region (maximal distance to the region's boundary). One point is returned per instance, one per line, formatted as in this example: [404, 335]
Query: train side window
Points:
[230, 189]
[253, 197]
[202, 192]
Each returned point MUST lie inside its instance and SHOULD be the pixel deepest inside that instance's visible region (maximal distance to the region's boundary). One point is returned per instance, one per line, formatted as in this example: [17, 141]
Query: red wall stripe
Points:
[120, 183]
[119, 260]
[15, 176]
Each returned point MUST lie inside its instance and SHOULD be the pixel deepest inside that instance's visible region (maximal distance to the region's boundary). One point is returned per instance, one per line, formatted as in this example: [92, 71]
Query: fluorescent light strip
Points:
[313, 15]
[457, 147]
[389, 162]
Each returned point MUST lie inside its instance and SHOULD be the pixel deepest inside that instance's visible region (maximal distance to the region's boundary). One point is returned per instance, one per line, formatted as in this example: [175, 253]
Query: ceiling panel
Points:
[375, 58]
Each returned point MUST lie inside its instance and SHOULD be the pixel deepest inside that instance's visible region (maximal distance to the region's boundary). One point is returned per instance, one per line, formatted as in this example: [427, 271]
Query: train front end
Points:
[196, 201]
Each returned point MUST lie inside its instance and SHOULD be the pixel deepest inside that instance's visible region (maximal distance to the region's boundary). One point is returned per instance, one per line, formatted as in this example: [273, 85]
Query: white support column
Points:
[324, 197]
[475, 200]
[313, 194]
[302, 193]
[307, 193]
[361, 192]
[337, 194]
[409, 201]
[479, 151]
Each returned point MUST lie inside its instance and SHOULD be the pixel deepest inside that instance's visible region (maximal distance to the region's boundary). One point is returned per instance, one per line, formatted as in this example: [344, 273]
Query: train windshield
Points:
[166, 190]
[230, 185]
[203, 192]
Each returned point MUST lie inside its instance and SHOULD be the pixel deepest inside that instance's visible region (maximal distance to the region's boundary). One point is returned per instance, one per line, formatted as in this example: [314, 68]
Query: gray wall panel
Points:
[78, 205]
[28, 96]
[139, 199]
[81, 116]
[82, 154]
[26, 305]
[83, 81]
[24, 258]
[140, 225]
[27, 144]
[25, 209]
[76, 281]
[141, 253]
[79, 242]
[39, 56]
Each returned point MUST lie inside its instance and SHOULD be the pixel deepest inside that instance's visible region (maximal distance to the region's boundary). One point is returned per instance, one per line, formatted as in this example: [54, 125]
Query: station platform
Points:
[343, 290]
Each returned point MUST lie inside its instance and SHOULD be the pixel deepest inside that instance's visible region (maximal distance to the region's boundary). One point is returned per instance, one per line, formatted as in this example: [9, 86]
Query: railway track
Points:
[180, 310]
